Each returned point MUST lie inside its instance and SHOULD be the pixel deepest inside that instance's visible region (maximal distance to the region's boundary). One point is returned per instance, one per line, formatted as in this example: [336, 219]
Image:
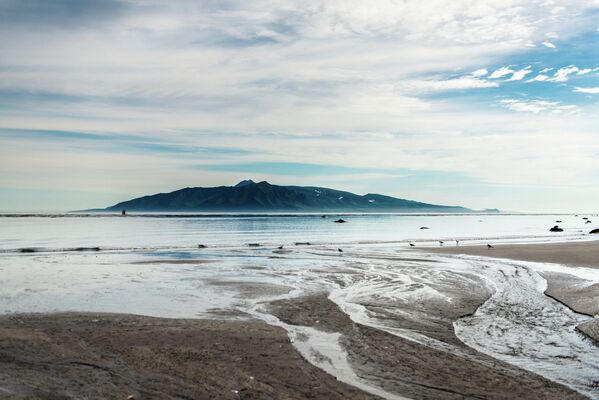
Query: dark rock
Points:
[202, 246]
[254, 244]
[556, 229]
[424, 227]
[340, 221]
[596, 230]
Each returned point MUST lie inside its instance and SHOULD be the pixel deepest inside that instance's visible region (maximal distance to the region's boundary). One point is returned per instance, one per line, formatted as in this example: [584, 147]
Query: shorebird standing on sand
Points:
[489, 246]
[411, 244]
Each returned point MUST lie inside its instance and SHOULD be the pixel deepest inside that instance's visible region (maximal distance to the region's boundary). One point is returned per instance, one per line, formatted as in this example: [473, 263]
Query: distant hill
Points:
[249, 196]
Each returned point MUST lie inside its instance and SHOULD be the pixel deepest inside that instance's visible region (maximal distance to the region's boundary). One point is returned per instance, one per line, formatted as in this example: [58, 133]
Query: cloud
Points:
[587, 90]
[538, 106]
[479, 72]
[520, 74]
[549, 44]
[313, 82]
[539, 78]
[562, 74]
[461, 83]
[501, 72]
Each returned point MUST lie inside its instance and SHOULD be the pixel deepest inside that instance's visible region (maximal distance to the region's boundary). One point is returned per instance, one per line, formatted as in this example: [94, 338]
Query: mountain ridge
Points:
[249, 196]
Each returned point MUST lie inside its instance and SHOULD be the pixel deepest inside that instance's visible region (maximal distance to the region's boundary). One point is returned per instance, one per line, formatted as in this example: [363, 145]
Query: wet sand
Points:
[414, 370]
[581, 254]
[108, 356]
[570, 290]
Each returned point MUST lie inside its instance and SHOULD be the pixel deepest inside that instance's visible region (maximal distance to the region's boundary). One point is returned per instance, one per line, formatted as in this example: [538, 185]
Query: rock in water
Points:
[556, 229]
[340, 221]
[595, 230]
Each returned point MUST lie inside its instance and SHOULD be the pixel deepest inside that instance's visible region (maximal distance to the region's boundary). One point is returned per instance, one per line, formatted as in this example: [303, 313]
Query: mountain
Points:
[249, 196]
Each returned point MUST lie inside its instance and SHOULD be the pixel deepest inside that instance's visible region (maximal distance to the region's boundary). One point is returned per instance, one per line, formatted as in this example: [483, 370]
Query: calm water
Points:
[151, 231]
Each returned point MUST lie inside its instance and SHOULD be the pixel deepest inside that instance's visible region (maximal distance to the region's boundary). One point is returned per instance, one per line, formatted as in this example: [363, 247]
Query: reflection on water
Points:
[155, 232]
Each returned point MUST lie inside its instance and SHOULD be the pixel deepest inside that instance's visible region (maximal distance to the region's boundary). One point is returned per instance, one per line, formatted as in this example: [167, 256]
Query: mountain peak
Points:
[245, 182]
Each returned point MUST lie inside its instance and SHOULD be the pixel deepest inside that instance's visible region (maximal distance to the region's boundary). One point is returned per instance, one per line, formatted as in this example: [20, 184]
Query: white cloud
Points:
[587, 90]
[480, 72]
[465, 82]
[538, 106]
[545, 70]
[501, 72]
[562, 74]
[520, 74]
[539, 78]
[549, 44]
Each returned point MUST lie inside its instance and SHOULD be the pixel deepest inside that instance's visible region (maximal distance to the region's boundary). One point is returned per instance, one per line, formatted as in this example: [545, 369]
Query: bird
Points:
[457, 242]
[280, 247]
[441, 242]
[489, 246]
[412, 245]
[340, 251]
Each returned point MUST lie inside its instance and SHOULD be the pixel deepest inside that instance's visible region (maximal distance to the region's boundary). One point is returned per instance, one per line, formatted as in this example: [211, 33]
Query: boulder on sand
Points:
[556, 229]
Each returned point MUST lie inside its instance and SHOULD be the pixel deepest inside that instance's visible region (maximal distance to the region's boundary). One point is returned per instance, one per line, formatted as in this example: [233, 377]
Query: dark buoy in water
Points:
[489, 246]
[124, 212]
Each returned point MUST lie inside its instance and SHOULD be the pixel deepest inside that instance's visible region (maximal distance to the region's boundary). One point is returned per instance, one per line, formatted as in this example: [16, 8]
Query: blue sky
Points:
[474, 103]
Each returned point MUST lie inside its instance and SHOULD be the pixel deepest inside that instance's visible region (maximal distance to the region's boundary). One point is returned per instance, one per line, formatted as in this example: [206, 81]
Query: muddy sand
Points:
[107, 356]
[76, 355]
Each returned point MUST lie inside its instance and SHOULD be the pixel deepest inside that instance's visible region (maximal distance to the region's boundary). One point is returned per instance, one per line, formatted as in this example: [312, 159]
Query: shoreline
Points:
[573, 292]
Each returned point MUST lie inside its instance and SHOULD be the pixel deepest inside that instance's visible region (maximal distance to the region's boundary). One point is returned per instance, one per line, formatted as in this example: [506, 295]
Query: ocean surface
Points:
[154, 265]
[55, 232]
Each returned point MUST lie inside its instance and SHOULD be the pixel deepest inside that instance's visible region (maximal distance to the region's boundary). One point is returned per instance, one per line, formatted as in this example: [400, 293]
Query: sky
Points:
[484, 104]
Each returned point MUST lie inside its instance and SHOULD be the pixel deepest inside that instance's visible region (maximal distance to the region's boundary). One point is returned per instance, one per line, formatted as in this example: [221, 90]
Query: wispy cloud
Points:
[538, 106]
[587, 90]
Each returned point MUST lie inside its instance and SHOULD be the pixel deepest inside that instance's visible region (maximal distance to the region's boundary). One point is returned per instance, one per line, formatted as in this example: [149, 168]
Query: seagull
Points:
[489, 246]
[280, 247]
[441, 242]
[412, 245]
[457, 242]
[340, 251]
